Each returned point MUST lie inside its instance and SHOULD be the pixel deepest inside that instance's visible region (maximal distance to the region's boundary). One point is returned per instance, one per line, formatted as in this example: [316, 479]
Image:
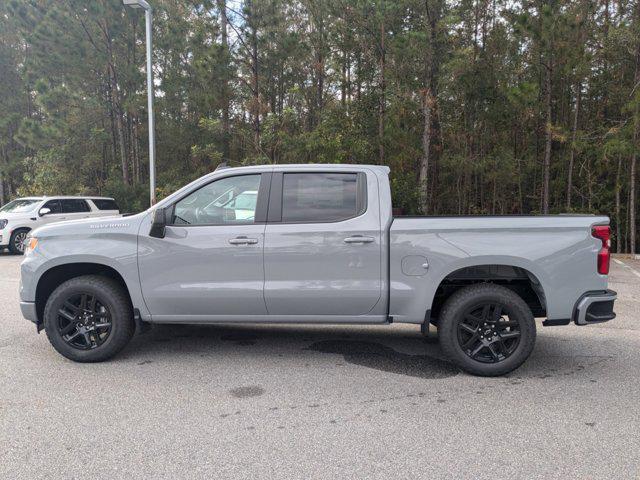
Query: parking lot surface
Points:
[320, 402]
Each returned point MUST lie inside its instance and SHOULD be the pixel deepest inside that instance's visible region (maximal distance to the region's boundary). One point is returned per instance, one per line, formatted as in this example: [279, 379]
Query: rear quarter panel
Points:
[558, 251]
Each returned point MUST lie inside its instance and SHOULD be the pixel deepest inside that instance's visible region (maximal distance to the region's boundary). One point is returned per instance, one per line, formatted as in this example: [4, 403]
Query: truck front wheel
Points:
[486, 329]
[89, 318]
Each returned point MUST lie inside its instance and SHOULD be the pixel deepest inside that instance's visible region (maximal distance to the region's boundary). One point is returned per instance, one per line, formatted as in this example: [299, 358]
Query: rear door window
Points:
[322, 197]
[74, 205]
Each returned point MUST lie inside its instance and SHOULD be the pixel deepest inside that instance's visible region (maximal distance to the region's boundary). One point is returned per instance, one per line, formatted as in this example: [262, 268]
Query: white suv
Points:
[22, 215]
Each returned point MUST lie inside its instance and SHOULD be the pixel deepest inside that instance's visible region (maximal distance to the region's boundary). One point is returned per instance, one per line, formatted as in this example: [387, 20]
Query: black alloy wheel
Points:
[485, 335]
[89, 318]
[486, 329]
[83, 321]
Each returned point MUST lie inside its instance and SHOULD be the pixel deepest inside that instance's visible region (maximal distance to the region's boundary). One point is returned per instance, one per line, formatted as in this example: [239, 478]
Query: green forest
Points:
[477, 106]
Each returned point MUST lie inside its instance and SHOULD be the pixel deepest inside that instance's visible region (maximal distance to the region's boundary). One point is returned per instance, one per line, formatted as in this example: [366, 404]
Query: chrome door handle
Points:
[243, 241]
[359, 239]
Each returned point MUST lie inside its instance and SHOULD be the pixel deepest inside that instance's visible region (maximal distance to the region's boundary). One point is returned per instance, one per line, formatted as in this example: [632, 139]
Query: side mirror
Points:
[159, 223]
[44, 211]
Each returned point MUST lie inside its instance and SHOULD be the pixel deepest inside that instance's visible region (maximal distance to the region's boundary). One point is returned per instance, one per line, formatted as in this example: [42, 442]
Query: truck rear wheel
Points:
[486, 329]
[89, 318]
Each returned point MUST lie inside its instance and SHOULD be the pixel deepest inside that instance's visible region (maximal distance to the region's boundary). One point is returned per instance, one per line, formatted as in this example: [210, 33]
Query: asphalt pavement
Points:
[320, 402]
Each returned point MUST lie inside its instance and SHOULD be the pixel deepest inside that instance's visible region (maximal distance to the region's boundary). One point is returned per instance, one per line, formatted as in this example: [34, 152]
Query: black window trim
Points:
[83, 200]
[94, 200]
[44, 205]
[277, 189]
[262, 202]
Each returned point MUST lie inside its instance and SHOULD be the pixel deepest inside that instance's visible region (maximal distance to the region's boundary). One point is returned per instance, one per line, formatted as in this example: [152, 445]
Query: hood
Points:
[17, 215]
[97, 226]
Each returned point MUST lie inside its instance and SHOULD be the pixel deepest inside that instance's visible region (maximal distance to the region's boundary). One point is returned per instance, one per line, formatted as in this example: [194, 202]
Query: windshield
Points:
[20, 206]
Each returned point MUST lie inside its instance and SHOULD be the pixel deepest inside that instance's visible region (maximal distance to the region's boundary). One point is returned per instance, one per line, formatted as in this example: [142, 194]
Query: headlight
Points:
[3, 223]
[31, 244]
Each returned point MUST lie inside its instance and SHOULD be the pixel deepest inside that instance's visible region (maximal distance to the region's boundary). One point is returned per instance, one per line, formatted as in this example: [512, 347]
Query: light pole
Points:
[152, 129]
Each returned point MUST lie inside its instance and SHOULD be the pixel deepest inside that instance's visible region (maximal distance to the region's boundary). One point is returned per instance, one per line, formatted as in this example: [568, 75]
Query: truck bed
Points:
[555, 251]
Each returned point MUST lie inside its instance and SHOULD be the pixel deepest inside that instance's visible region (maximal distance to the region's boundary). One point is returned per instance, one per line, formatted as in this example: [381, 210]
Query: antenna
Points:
[221, 166]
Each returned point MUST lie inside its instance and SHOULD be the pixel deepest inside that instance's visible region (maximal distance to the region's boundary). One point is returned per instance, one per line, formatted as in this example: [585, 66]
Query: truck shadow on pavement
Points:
[407, 354]
[401, 352]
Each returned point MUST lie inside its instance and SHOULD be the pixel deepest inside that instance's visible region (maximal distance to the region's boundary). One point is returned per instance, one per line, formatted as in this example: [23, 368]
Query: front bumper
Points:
[29, 311]
[595, 307]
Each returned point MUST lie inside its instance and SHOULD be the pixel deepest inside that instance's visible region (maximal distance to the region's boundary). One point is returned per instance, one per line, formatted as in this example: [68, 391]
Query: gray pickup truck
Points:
[315, 244]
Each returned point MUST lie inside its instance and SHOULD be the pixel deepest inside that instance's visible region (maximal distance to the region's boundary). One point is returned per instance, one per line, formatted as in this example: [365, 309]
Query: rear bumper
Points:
[595, 307]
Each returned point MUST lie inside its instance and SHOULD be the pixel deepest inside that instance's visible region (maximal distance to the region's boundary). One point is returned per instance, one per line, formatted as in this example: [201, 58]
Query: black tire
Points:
[114, 308]
[502, 344]
[16, 242]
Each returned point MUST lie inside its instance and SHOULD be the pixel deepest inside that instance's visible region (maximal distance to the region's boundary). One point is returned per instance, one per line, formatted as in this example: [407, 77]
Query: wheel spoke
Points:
[68, 329]
[497, 313]
[468, 328]
[73, 336]
[87, 338]
[102, 325]
[494, 354]
[503, 346]
[71, 306]
[486, 310]
[477, 350]
[67, 315]
[469, 343]
[508, 335]
[83, 301]
[508, 323]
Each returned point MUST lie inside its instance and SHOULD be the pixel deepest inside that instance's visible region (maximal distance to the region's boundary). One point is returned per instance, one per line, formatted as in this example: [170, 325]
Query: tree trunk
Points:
[320, 69]
[343, 80]
[636, 139]
[255, 85]
[574, 134]
[383, 94]
[119, 127]
[546, 167]
[2, 164]
[226, 131]
[116, 106]
[136, 149]
[427, 103]
[618, 219]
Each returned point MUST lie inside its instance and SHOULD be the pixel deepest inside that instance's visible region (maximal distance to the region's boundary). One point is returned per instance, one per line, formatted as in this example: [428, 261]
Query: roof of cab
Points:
[65, 197]
[305, 166]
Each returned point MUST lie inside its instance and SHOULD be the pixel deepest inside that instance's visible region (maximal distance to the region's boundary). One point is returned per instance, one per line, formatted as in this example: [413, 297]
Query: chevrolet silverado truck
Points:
[315, 244]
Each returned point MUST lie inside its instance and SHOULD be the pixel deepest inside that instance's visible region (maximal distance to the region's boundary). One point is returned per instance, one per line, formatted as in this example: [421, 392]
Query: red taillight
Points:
[603, 232]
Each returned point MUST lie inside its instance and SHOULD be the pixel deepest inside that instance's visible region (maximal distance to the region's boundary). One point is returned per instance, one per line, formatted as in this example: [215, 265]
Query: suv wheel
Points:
[18, 241]
[89, 318]
[487, 329]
